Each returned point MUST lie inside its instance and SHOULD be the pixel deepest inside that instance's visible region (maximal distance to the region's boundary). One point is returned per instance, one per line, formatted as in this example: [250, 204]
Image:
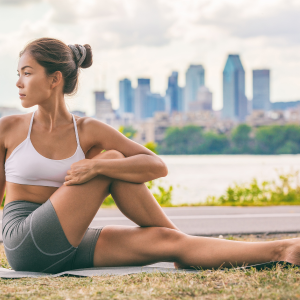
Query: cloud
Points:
[117, 23]
[63, 11]
[278, 21]
[18, 2]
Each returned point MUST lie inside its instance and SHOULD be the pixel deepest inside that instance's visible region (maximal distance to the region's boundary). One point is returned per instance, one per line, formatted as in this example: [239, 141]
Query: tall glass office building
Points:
[261, 90]
[194, 79]
[125, 96]
[234, 98]
[140, 98]
[173, 92]
[153, 103]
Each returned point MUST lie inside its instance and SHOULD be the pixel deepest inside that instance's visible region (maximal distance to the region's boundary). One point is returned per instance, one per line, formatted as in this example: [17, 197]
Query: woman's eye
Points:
[26, 73]
[18, 75]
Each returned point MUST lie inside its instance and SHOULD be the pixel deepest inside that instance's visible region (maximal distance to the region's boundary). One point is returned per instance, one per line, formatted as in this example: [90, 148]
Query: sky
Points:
[142, 38]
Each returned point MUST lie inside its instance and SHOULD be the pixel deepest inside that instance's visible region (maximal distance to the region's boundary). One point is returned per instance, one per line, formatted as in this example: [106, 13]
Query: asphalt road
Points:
[209, 221]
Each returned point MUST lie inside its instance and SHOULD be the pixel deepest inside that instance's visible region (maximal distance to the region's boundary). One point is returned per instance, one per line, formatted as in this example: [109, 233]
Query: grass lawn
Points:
[230, 284]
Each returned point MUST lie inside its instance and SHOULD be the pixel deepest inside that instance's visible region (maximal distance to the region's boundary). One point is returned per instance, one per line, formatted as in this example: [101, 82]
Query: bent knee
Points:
[110, 154]
[167, 234]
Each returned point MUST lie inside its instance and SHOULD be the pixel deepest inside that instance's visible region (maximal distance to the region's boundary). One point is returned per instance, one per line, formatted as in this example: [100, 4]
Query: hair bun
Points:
[88, 61]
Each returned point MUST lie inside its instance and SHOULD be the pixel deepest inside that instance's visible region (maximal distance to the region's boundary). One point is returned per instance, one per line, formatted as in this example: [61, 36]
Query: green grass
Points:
[277, 283]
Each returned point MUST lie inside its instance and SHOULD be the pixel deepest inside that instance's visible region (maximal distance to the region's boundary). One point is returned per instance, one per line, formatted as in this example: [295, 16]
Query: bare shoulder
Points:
[13, 123]
[88, 124]
[93, 132]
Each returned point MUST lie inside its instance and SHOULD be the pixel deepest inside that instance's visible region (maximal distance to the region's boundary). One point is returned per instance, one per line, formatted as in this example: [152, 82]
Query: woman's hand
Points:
[81, 172]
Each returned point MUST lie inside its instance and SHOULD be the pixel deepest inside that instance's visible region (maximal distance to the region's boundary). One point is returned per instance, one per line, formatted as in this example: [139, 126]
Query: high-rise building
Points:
[125, 97]
[180, 98]
[261, 90]
[140, 95]
[103, 105]
[234, 98]
[173, 92]
[203, 101]
[153, 103]
[194, 79]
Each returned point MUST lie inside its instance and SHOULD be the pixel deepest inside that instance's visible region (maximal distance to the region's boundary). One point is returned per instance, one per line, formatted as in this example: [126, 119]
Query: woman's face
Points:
[33, 83]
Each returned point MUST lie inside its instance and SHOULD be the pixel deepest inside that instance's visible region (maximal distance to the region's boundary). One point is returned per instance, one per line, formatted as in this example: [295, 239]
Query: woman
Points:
[57, 176]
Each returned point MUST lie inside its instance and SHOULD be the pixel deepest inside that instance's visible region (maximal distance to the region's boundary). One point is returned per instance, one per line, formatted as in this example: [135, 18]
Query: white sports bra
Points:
[26, 166]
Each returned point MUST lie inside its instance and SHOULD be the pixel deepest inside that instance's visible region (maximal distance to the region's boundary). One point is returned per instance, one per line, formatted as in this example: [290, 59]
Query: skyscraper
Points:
[261, 90]
[153, 103]
[125, 97]
[103, 106]
[234, 98]
[140, 95]
[194, 78]
[173, 92]
[204, 100]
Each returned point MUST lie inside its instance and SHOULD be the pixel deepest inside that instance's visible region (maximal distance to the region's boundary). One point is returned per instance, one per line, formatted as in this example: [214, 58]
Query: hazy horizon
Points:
[140, 38]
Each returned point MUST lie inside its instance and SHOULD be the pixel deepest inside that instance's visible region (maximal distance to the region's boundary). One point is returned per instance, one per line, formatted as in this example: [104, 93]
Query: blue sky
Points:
[135, 38]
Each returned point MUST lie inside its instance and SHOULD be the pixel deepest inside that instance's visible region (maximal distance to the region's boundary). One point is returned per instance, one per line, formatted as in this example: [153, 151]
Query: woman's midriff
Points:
[32, 193]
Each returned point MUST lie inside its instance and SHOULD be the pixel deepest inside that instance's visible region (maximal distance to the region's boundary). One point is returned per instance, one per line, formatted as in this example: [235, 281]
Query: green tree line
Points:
[243, 139]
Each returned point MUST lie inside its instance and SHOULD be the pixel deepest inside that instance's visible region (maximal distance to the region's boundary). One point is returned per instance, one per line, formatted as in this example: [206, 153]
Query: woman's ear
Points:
[56, 79]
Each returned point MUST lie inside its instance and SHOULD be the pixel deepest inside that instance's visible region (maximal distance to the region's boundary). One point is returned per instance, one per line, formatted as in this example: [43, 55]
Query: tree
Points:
[128, 131]
[241, 140]
[185, 140]
[214, 143]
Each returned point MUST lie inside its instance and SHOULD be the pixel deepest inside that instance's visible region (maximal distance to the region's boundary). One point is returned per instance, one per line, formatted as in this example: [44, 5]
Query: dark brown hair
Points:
[54, 55]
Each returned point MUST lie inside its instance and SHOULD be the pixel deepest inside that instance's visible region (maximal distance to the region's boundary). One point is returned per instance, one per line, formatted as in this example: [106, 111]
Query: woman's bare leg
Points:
[122, 245]
[77, 205]
[137, 203]
[117, 245]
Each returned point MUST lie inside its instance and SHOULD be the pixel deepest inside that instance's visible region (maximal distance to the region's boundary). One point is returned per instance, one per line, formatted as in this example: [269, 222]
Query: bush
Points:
[286, 192]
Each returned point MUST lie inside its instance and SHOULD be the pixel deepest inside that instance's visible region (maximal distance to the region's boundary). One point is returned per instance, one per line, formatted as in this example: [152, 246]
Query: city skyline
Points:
[195, 96]
[138, 39]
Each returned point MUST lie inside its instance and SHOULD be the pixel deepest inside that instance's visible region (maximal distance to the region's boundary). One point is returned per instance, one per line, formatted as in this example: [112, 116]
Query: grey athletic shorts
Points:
[35, 241]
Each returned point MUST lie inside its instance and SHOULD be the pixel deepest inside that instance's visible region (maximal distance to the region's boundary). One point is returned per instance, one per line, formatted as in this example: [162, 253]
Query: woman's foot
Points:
[291, 251]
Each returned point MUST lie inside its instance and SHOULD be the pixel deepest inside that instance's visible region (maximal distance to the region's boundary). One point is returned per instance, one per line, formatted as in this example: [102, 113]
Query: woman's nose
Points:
[19, 83]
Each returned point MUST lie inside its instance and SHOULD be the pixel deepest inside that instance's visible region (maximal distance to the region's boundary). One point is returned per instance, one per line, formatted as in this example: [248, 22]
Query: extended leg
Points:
[122, 245]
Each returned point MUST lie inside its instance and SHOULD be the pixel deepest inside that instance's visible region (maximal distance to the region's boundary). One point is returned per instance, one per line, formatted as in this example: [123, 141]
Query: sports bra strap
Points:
[30, 126]
[76, 131]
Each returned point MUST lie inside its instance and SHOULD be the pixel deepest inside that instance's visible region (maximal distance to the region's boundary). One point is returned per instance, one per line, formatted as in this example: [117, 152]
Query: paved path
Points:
[217, 220]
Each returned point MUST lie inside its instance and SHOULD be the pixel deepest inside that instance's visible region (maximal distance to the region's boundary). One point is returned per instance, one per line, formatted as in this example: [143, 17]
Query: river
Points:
[194, 177]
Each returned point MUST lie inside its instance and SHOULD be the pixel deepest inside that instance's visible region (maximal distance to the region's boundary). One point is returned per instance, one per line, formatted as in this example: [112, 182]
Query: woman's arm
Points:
[139, 165]
[138, 168]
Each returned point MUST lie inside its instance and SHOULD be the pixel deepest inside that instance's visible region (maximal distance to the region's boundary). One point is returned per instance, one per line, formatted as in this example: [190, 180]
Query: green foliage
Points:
[152, 146]
[193, 139]
[240, 137]
[128, 131]
[278, 139]
[284, 191]
[163, 196]
[109, 201]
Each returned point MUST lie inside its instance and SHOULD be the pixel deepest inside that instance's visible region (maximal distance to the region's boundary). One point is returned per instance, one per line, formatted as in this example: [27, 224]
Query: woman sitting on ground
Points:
[57, 176]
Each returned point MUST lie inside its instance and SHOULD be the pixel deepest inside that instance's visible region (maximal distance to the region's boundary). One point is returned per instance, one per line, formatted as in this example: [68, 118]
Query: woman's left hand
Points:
[80, 172]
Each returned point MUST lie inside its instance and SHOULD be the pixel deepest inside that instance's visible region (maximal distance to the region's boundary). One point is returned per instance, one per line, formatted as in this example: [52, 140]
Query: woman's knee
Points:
[167, 235]
[109, 154]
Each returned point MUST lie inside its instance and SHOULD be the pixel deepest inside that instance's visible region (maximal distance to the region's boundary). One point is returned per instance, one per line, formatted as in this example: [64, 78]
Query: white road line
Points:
[237, 216]
[199, 217]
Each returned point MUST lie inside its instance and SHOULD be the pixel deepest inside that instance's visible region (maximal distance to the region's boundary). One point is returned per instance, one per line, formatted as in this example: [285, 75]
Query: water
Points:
[194, 177]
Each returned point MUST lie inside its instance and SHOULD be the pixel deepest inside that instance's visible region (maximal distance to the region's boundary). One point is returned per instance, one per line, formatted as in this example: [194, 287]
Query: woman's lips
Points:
[22, 95]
